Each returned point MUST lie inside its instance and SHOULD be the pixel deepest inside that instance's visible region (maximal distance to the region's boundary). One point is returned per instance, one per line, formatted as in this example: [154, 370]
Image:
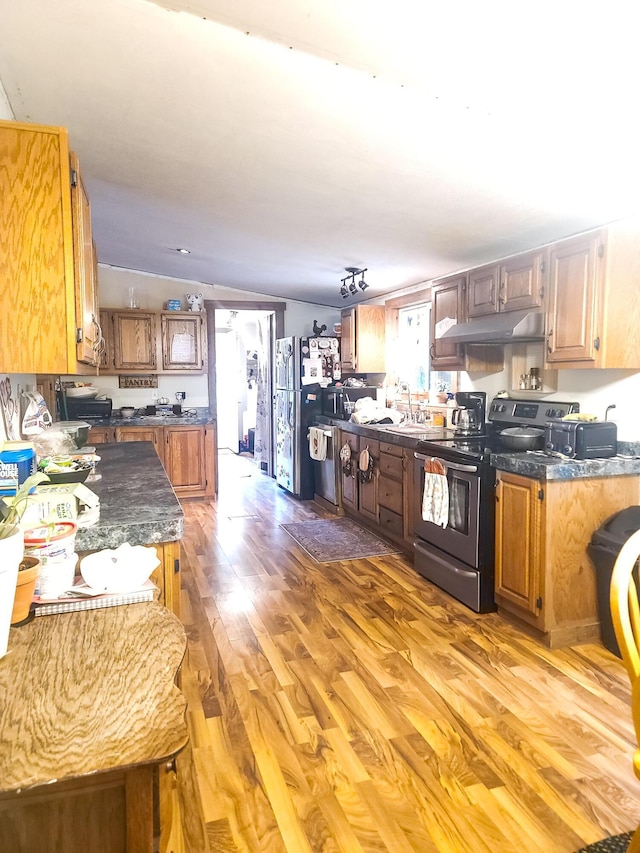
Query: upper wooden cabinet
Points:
[134, 340]
[576, 270]
[514, 284]
[39, 280]
[88, 332]
[362, 345]
[449, 303]
[148, 342]
[593, 317]
[182, 336]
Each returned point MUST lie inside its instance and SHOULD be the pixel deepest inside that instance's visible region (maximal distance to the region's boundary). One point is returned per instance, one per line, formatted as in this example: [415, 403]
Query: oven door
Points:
[460, 538]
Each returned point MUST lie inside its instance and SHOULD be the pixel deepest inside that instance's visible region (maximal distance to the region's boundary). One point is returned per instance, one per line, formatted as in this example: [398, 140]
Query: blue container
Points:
[17, 462]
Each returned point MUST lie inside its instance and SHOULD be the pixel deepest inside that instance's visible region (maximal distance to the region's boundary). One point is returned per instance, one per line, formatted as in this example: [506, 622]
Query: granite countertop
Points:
[202, 416]
[137, 502]
[542, 467]
[537, 465]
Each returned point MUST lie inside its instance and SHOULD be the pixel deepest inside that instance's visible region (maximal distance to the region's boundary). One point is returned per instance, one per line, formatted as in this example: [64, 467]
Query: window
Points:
[412, 353]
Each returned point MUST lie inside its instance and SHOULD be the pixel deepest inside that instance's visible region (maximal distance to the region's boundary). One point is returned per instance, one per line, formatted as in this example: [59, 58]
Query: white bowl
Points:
[122, 569]
[85, 391]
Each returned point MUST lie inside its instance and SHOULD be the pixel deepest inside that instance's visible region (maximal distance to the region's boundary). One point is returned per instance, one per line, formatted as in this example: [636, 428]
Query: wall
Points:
[151, 292]
[593, 389]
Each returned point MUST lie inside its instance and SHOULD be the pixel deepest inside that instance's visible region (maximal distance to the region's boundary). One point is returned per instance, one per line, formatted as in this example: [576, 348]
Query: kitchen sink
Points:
[412, 429]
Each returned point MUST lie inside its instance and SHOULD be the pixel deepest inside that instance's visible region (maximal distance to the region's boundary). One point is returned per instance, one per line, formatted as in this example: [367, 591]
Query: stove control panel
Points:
[507, 411]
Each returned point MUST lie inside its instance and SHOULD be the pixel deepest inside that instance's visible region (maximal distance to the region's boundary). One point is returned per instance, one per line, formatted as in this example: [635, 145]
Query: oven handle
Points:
[455, 466]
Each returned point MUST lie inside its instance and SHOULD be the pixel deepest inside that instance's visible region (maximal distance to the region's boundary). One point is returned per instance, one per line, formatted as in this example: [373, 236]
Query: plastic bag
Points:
[53, 442]
[37, 416]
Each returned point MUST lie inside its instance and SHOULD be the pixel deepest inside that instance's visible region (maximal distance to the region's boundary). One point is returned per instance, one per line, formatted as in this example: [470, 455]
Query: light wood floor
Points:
[355, 707]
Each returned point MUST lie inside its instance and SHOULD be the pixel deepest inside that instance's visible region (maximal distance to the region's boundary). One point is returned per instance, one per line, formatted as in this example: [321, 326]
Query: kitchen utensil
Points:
[522, 438]
[78, 430]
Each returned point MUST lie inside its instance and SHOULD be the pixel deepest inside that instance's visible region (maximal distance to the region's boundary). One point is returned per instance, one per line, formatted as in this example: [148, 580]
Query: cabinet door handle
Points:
[549, 343]
[503, 298]
[432, 350]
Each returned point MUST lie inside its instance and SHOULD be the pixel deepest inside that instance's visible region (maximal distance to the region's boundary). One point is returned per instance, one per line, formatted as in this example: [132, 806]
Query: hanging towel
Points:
[317, 443]
[435, 496]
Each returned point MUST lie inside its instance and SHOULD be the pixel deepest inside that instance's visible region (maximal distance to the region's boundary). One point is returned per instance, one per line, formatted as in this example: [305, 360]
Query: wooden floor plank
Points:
[354, 706]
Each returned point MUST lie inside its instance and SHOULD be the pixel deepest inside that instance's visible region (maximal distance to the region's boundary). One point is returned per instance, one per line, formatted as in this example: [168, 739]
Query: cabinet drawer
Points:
[391, 522]
[391, 466]
[390, 494]
[391, 449]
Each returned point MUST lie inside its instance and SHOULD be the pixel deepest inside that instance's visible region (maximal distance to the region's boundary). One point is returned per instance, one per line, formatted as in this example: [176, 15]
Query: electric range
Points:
[455, 547]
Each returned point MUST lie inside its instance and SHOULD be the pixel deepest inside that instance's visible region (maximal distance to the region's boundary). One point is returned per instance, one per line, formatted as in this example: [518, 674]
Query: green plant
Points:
[11, 513]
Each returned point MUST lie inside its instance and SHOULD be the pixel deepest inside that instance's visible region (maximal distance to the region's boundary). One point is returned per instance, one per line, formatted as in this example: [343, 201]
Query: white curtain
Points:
[262, 439]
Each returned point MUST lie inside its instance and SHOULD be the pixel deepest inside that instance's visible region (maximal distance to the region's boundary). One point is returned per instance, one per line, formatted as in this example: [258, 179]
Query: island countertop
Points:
[137, 502]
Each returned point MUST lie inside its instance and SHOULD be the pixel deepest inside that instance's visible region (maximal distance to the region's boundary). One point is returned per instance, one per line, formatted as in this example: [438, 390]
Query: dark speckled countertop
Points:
[533, 464]
[200, 416]
[137, 502]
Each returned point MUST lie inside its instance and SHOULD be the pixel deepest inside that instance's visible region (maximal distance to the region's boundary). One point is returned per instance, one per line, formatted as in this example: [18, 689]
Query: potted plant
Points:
[12, 551]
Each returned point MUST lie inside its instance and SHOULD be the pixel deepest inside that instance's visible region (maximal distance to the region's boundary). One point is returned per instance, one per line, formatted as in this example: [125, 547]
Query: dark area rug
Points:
[613, 844]
[333, 540]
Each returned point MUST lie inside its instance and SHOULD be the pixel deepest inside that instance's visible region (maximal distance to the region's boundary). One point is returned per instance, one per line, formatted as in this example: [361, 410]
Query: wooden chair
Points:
[625, 613]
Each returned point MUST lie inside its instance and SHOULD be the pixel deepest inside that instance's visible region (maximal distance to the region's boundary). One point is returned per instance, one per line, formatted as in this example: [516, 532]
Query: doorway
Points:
[241, 345]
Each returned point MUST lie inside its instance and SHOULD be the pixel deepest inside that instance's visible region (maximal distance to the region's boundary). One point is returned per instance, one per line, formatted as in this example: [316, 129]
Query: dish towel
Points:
[317, 444]
[435, 495]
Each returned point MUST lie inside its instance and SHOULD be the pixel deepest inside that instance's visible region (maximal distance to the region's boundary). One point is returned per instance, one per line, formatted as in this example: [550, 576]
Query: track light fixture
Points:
[351, 289]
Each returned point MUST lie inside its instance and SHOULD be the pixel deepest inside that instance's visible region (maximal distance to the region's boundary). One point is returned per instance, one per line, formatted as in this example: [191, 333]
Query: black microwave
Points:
[334, 399]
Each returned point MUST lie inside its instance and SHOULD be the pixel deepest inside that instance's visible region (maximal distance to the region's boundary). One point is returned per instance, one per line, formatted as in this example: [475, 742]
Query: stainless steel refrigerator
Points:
[303, 365]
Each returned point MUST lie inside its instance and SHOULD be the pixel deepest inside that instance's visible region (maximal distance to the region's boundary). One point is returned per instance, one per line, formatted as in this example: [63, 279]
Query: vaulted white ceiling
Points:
[284, 141]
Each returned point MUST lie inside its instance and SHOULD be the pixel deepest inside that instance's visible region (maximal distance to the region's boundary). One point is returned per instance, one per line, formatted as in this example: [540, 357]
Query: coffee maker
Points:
[469, 415]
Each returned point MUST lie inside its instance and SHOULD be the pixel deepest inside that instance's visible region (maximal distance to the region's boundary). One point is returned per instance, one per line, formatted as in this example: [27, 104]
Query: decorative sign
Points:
[144, 380]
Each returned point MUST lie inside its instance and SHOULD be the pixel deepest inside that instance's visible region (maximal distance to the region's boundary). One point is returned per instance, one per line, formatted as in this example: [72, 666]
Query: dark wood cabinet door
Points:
[483, 289]
[447, 304]
[521, 281]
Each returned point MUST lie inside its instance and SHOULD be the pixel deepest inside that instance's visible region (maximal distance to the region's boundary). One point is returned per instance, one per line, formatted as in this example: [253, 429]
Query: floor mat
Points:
[333, 540]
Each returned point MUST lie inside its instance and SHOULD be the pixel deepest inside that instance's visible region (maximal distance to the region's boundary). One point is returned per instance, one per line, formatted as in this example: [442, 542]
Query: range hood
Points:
[503, 328]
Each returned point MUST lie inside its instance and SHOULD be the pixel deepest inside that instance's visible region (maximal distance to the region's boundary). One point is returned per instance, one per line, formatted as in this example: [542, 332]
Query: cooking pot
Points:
[522, 438]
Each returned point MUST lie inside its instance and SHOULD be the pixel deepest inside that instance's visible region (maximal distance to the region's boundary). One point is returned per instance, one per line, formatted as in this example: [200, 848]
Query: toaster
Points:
[581, 439]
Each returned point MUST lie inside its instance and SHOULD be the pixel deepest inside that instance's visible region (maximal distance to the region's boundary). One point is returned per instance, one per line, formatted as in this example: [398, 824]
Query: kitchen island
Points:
[137, 505]
[89, 719]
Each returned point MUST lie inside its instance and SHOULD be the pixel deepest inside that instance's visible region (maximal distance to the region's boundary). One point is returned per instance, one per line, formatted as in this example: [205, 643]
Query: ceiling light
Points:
[184, 251]
[352, 287]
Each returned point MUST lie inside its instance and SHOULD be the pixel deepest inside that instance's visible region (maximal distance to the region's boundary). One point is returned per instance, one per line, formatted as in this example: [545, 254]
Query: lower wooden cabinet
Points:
[188, 453]
[102, 435]
[189, 459]
[381, 503]
[544, 576]
[139, 433]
